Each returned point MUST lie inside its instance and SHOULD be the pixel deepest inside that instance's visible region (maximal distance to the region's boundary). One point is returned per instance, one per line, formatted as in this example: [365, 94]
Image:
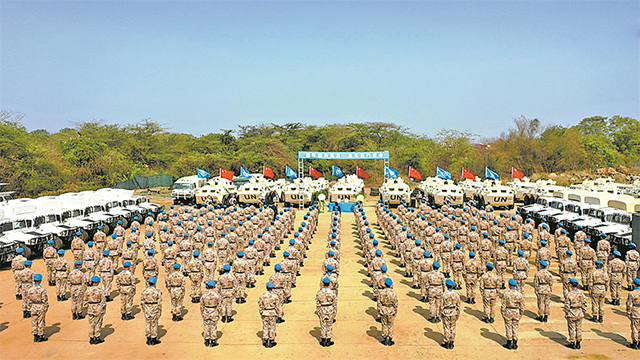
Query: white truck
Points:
[217, 190]
[185, 189]
[346, 189]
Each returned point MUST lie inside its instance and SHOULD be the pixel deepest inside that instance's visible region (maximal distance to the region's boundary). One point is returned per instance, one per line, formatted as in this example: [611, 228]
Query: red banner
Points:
[516, 174]
[314, 173]
[268, 172]
[361, 173]
[413, 173]
[226, 174]
[467, 174]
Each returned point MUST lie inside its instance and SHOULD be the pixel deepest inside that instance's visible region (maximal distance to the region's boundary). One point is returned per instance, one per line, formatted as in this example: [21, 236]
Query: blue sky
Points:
[203, 66]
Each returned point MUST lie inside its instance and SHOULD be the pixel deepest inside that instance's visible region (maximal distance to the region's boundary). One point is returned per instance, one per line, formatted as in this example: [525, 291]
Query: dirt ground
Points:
[356, 333]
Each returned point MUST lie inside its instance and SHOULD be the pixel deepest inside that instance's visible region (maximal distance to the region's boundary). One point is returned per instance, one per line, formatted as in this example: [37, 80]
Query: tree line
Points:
[94, 154]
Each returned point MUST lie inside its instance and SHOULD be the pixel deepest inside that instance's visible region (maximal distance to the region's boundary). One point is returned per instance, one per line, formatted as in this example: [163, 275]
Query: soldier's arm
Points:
[629, 304]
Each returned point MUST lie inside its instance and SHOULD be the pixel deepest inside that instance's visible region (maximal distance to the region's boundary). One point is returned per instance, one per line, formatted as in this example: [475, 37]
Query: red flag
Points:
[314, 173]
[268, 172]
[226, 174]
[516, 174]
[361, 173]
[413, 173]
[467, 174]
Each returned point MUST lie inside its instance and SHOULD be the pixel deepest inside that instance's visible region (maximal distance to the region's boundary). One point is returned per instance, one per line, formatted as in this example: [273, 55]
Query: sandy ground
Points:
[356, 334]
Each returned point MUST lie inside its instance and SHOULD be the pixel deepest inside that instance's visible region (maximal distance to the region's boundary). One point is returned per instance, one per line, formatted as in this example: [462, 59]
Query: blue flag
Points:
[490, 174]
[244, 172]
[289, 172]
[202, 174]
[336, 171]
[391, 172]
[443, 174]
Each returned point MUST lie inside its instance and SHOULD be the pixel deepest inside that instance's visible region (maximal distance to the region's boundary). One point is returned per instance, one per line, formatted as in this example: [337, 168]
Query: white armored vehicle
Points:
[449, 192]
[184, 189]
[217, 189]
[346, 189]
[495, 194]
[395, 191]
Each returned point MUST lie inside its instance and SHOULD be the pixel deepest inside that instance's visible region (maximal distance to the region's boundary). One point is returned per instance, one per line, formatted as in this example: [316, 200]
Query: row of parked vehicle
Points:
[596, 221]
[31, 223]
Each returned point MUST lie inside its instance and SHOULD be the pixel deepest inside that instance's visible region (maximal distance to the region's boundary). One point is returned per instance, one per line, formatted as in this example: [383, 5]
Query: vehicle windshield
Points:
[183, 186]
[19, 224]
[542, 201]
[77, 212]
[608, 218]
[50, 218]
[557, 205]
[623, 219]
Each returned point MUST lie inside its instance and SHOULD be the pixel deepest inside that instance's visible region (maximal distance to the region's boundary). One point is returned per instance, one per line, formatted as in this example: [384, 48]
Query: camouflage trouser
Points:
[209, 270]
[543, 304]
[126, 300]
[597, 304]
[511, 322]
[615, 287]
[416, 273]
[77, 296]
[471, 283]
[435, 302]
[520, 286]
[501, 268]
[151, 325]
[196, 284]
[77, 255]
[584, 273]
[251, 274]
[448, 328]
[95, 324]
[260, 261]
[37, 322]
[457, 273]
[210, 317]
[635, 329]
[326, 314]
[26, 304]
[62, 283]
[575, 329]
[51, 271]
[269, 327]
[177, 299]
[241, 290]
[168, 266]
[566, 285]
[387, 325]
[90, 268]
[446, 262]
[281, 298]
[106, 280]
[489, 304]
[632, 271]
[227, 299]
[424, 285]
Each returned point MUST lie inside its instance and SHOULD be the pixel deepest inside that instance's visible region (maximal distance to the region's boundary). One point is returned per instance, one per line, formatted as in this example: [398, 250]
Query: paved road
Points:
[356, 333]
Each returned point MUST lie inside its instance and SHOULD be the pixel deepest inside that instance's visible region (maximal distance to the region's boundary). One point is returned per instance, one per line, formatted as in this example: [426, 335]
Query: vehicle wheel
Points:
[57, 242]
[125, 222]
[27, 252]
[85, 235]
[106, 229]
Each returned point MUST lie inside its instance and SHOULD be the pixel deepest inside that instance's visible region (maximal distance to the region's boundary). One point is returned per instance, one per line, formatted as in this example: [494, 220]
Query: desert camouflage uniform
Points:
[387, 309]
[512, 309]
[268, 303]
[450, 314]
[39, 302]
[151, 302]
[575, 307]
[96, 305]
[325, 309]
[210, 310]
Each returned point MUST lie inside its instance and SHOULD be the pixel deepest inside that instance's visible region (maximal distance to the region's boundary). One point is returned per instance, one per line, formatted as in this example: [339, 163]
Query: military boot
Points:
[148, 340]
[508, 344]
[207, 342]
[42, 338]
[328, 342]
[514, 344]
[450, 344]
[323, 342]
[99, 340]
[578, 345]
[213, 343]
[36, 338]
[155, 341]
